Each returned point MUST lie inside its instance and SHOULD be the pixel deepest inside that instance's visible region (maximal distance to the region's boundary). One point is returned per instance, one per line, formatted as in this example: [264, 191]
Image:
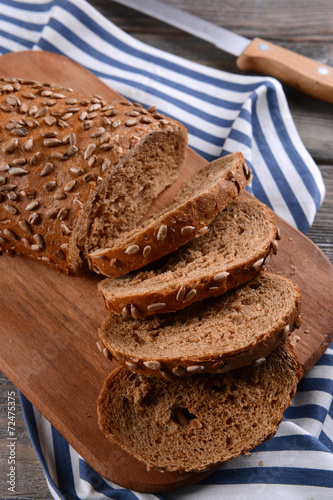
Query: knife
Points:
[259, 56]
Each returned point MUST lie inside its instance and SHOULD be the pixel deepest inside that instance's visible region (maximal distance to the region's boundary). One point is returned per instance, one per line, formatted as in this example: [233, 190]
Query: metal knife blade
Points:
[220, 37]
[257, 55]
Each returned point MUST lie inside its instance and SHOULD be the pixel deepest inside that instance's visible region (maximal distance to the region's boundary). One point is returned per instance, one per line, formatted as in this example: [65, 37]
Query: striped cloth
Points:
[223, 113]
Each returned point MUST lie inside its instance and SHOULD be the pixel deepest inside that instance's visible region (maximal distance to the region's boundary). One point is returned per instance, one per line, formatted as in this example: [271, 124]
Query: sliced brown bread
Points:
[193, 423]
[215, 335]
[200, 199]
[77, 171]
[238, 244]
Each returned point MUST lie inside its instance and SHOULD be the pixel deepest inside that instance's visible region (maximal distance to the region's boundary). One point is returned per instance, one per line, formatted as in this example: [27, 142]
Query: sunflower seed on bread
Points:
[214, 335]
[199, 200]
[236, 247]
[54, 159]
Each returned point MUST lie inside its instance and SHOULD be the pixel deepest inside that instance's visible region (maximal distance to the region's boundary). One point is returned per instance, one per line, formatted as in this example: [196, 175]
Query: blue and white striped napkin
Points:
[223, 113]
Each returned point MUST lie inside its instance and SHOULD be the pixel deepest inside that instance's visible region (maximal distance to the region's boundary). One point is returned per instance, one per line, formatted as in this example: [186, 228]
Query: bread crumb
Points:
[294, 269]
[261, 463]
[294, 340]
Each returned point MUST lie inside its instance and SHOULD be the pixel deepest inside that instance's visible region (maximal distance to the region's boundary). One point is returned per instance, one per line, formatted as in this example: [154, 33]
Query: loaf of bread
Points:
[215, 335]
[76, 171]
[193, 423]
[199, 200]
[238, 244]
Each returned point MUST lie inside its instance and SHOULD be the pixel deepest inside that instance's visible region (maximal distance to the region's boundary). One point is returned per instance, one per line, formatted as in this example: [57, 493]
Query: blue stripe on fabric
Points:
[315, 384]
[325, 360]
[22, 23]
[201, 134]
[240, 137]
[4, 50]
[17, 39]
[279, 178]
[37, 7]
[323, 438]
[299, 442]
[314, 411]
[29, 417]
[196, 112]
[330, 413]
[258, 190]
[100, 485]
[208, 157]
[64, 465]
[272, 475]
[245, 115]
[295, 158]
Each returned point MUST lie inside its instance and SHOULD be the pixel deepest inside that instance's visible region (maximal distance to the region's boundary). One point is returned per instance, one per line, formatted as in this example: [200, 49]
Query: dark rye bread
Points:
[199, 200]
[237, 246]
[215, 335]
[193, 423]
[76, 171]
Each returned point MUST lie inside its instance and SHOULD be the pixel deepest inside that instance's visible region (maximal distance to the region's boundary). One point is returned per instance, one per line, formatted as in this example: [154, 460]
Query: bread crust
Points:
[59, 149]
[184, 221]
[193, 424]
[212, 283]
[177, 365]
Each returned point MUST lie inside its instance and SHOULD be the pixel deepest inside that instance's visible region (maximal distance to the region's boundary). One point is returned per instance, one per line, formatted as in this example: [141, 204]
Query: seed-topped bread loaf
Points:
[215, 335]
[237, 245]
[192, 423]
[77, 171]
[199, 200]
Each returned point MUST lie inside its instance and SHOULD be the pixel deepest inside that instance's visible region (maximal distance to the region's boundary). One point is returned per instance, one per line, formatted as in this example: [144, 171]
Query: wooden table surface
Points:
[299, 25]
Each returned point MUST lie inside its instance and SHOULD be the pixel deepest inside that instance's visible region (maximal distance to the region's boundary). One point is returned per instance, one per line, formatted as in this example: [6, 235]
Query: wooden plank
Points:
[321, 231]
[29, 478]
[49, 321]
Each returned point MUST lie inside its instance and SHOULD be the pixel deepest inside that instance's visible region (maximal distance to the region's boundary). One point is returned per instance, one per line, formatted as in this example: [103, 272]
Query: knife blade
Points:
[256, 56]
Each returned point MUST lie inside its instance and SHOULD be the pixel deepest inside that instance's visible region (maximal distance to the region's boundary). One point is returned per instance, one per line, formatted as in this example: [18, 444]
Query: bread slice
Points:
[77, 171]
[193, 423]
[200, 199]
[238, 244]
[215, 335]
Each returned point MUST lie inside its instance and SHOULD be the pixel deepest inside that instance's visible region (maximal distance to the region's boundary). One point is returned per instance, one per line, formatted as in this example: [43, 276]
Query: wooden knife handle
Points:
[302, 73]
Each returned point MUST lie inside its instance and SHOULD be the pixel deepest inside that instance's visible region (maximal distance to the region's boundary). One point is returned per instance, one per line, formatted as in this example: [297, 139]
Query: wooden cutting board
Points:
[49, 321]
